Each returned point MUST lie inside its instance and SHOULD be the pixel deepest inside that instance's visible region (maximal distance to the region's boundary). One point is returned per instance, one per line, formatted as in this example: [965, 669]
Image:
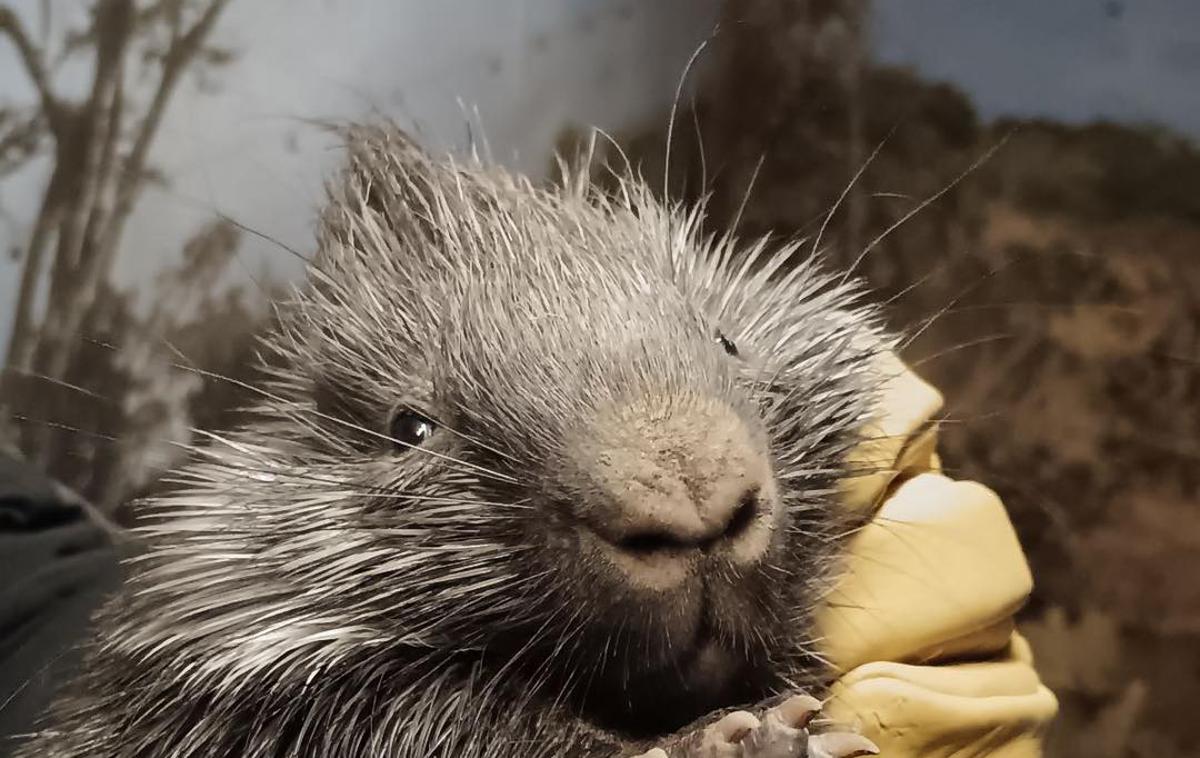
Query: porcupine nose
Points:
[652, 523]
[674, 486]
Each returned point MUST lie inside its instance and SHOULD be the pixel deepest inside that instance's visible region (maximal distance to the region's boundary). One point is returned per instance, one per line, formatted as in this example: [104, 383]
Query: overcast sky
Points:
[1068, 59]
[529, 66]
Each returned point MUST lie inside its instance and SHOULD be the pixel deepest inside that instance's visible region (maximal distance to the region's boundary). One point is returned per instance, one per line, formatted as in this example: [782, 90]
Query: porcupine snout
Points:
[676, 488]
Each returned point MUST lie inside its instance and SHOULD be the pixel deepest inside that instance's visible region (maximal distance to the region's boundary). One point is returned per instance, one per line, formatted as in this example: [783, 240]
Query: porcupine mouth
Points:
[705, 673]
[704, 664]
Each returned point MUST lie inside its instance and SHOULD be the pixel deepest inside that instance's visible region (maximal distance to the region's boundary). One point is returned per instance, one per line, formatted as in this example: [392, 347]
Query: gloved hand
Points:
[934, 578]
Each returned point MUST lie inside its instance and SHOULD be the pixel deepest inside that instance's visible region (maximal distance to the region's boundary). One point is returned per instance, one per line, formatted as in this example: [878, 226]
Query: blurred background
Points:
[1027, 203]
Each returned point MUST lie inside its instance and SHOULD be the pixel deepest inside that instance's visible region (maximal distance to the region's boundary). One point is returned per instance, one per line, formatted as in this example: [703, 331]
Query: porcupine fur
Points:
[314, 588]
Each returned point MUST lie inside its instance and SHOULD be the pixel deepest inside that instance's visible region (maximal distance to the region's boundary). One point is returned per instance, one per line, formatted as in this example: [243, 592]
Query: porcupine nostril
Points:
[677, 489]
[743, 515]
[726, 523]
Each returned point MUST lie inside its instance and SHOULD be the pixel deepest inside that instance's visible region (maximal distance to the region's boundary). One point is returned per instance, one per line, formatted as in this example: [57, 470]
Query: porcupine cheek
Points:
[676, 493]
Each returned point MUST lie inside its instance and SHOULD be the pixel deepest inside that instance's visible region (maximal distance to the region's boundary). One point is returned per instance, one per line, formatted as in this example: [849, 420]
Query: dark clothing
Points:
[56, 565]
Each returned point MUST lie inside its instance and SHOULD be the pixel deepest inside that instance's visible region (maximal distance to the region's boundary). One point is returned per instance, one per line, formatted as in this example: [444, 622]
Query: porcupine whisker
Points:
[383, 492]
[430, 499]
[666, 185]
[537, 641]
[850, 186]
[21, 418]
[572, 629]
[925, 204]
[952, 302]
[358, 427]
[263, 236]
[940, 267]
[987, 339]
[57, 382]
[612, 141]
[598, 666]
[262, 393]
[736, 223]
[477, 442]
[700, 146]
[21, 687]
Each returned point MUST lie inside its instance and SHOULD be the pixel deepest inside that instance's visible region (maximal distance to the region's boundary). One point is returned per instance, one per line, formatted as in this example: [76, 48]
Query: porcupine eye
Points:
[410, 429]
[727, 344]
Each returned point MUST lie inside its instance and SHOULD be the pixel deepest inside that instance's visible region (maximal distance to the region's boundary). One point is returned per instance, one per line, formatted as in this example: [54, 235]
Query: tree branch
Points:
[19, 141]
[183, 49]
[31, 57]
[111, 30]
[21, 342]
[91, 270]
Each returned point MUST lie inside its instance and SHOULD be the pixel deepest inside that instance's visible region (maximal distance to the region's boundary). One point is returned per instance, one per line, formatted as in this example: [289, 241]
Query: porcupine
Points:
[536, 471]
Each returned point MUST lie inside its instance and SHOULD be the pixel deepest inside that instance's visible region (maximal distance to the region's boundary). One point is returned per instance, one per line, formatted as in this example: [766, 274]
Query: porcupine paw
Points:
[782, 732]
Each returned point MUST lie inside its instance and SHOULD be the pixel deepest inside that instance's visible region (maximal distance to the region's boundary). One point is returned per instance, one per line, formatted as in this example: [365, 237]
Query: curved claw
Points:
[733, 726]
[723, 739]
[797, 711]
[781, 733]
[840, 745]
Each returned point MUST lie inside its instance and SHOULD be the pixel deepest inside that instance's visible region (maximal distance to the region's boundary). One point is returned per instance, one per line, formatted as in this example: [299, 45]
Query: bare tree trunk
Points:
[80, 290]
[95, 184]
[86, 182]
[22, 340]
[112, 32]
[31, 59]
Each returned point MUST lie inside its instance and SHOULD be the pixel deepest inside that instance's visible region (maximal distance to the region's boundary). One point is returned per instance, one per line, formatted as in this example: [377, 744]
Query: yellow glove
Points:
[934, 578]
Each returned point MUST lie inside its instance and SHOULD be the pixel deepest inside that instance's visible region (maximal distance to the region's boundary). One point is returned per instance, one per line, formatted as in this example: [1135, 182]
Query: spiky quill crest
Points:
[315, 588]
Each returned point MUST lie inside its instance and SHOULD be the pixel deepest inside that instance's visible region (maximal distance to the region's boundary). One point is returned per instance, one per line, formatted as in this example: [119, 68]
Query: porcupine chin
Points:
[539, 472]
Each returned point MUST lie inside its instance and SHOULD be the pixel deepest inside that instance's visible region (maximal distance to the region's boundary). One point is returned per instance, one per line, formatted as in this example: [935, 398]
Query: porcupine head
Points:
[532, 465]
